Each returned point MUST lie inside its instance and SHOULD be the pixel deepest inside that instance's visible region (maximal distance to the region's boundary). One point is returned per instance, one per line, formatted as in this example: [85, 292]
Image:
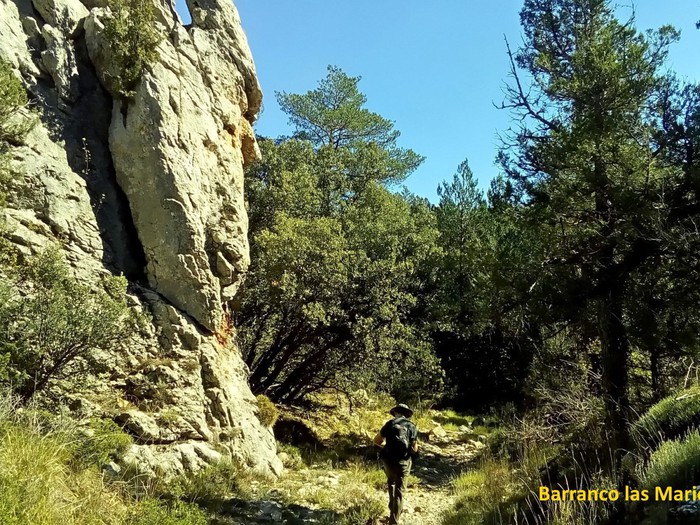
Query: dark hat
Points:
[401, 409]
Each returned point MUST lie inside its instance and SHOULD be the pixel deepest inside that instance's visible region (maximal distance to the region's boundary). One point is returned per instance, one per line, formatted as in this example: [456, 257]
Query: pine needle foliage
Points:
[670, 418]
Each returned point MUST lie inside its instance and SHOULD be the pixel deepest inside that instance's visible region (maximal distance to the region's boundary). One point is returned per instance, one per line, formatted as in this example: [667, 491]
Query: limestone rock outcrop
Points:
[151, 188]
[181, 145]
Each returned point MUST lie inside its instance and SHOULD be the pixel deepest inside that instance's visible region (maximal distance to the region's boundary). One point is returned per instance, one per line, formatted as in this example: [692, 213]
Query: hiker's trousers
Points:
[396, 473]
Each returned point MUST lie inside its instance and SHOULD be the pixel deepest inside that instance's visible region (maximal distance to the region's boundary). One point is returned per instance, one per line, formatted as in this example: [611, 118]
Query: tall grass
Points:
[504, 488]
[675, 463]
[37, 485]
[488, 495]
[670, 418]
[499, 493]
[42, 481]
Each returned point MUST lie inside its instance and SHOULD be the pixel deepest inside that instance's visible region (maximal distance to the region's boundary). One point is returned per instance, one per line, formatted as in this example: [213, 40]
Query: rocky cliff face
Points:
[153, 189]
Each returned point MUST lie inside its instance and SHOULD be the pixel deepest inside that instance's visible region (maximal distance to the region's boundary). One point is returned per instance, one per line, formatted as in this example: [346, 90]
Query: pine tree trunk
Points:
[655, 371]
[615, 353]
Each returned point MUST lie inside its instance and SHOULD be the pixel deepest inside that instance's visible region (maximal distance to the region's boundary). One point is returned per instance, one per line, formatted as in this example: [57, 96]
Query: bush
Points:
[267, 411]
[49, 330]
[133, 38]
[15, 119]
[366, 511]
[675, 463]
[670, 418]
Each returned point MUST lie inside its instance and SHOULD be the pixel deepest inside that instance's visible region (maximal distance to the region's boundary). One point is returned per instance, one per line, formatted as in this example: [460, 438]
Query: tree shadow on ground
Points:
[436, 469]
[236, 511]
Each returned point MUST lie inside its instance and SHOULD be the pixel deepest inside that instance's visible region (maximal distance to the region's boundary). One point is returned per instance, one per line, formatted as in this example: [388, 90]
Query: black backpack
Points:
[398, 440]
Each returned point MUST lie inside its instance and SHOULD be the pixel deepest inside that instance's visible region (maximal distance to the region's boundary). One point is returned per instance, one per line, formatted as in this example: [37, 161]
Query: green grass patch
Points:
[497, 490]
[486, 496]
[675, 463]
[154, 512]
[452, 420]
[102, 442]
[49, 475]
[670, 418]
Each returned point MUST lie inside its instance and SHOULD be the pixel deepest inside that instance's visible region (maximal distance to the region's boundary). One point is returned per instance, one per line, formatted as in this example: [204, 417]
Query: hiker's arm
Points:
[414, 441]
[378, 439]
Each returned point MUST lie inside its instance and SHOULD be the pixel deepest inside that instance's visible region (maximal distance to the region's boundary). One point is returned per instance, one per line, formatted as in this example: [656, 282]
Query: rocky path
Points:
[443, 456]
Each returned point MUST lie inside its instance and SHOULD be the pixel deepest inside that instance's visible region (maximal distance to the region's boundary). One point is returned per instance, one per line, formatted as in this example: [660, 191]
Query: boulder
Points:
[437, 433]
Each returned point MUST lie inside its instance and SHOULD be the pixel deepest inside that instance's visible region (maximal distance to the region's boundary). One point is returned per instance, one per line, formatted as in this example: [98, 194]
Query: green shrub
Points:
[675, 463]
[15, 119]
[154, 512]
[670, 418]
[49, 330]
[133, 38]
[366, 511]
[5, 171]
[104, 441]
[267, 411]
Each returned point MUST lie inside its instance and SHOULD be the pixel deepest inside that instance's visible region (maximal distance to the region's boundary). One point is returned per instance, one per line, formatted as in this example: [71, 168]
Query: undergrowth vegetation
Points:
[675, 463]
[670, 418]
[669, 442]
[51, 324]
[16, 120]
[267, 411]
[563, 300]
[49, 474]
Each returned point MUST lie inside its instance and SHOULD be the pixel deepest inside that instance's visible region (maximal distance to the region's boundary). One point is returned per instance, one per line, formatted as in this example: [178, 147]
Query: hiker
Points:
[401, 437]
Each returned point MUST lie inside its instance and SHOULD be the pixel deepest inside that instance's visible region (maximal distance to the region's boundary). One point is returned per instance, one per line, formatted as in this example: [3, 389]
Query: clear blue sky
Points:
[434, 68]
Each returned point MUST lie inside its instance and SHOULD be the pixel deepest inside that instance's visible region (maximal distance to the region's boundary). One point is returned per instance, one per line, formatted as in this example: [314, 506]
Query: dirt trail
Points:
[441, 460]
[442, 457]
